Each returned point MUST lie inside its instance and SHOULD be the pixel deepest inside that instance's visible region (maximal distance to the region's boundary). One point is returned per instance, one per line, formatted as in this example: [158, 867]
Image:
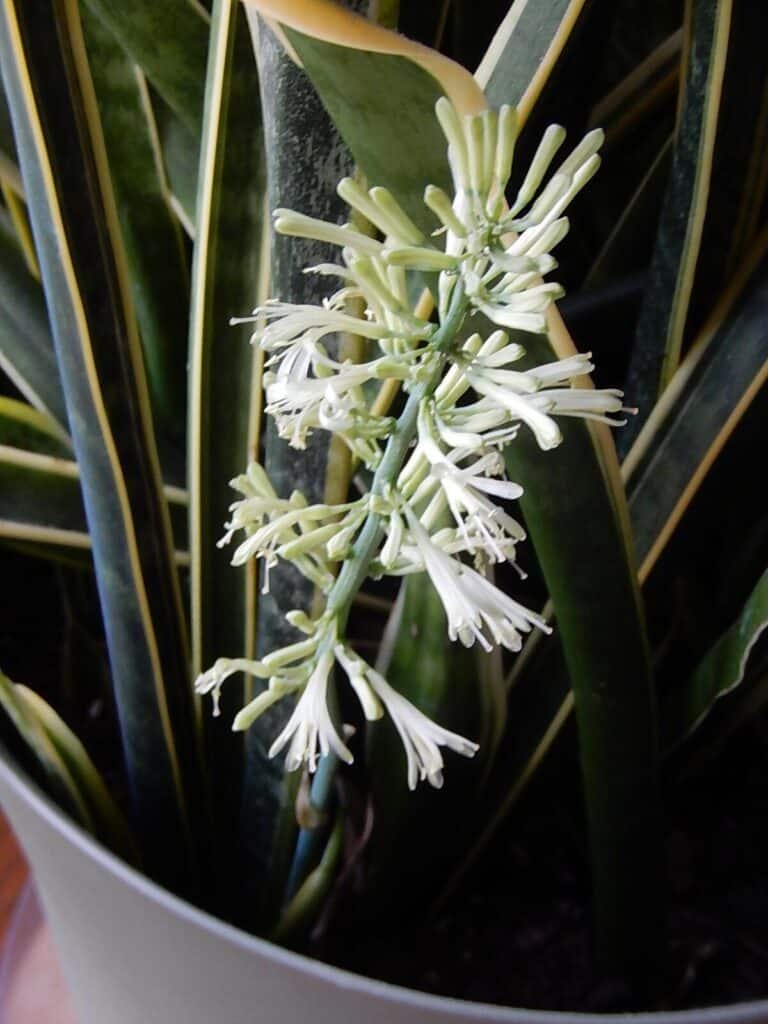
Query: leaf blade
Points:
[169, 41]
[109, 825]
[26, 345]
[720, 671]
[55, 771]
[711, 392]
[223, 424]
[590, 576]
[666, 305]
[158, 274]
[82, 262]
[380, 90]
[41, 490]
[295, 125]
[523, 52]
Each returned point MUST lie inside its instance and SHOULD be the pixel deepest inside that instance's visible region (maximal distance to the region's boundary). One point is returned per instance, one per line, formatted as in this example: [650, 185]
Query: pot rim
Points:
[15, 778]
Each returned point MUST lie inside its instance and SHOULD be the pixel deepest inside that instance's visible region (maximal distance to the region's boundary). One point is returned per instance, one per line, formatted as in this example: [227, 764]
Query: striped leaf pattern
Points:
[77, 234]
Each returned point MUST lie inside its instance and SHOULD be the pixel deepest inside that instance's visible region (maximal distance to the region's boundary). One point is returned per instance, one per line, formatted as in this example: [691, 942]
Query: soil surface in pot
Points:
[517, 931]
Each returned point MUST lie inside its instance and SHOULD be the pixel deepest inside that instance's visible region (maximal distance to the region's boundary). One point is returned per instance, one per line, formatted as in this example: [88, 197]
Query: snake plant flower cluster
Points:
[439, 498]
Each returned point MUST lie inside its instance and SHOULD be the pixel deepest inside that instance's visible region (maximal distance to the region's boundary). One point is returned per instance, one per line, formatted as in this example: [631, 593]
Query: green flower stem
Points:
[355, 568]
[310, 839]
[302, 910]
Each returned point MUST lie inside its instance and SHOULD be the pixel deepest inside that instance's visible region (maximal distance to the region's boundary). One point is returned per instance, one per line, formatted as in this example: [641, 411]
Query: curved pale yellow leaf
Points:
[325, 20]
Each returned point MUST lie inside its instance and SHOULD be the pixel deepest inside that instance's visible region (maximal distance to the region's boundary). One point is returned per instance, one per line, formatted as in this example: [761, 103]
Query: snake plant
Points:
[399, 399]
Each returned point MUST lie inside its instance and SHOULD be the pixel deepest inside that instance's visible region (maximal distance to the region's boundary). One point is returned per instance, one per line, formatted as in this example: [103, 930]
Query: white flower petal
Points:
[310, 726]
[421, 737]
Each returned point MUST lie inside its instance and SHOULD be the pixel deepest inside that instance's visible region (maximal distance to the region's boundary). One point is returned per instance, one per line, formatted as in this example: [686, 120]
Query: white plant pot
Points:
[134, 954]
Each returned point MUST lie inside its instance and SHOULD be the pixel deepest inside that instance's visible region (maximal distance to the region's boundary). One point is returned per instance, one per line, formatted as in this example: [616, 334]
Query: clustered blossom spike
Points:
[439, 475]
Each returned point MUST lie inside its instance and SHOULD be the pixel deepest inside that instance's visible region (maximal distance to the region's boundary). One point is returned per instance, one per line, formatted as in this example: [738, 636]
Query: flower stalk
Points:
[355, 569]
[440, 459]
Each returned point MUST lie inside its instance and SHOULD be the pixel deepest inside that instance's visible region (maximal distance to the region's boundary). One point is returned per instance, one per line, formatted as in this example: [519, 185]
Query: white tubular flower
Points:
[357, 672]
[341, 541]
[480, 426]
[567, 181]
[288, 222]
[212, 680]
[289, 529]
[537, 394]
[586, 403]
[473, 605]
[294, 407]
[276, 690]
[522, 310]
[497, 268]
[300, 405]
[518, 407]
[290, 324]
[358, 428]
[421, 737]
[562, 371]
[260, 503]
[344, 415]
[288, 669]
[388, 315]
[483, 525]
[310, 730]
[264, 541]
[395, 535]
[380, 207]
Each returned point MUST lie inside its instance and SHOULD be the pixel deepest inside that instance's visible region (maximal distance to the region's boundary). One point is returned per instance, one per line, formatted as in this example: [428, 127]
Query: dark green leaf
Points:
[26, 346]
[641, 93]
[364, 93]
[711, 392]
[542, 59]
[590, 575]
[721, 670]
[56, 776]
[41, 500]
[737, 186]
[304, 159]
[703, 230]
[41, 493]
[10, 178]
[109, 825]
[224, 386]
[169, 42]
[414, 839]
[639, 28]
[83, 267]
[181, 156]
[15, 217]
[633, 233]
[22, 426]
[526, 49]
[538, 708]
[380, 90]
[153, 246]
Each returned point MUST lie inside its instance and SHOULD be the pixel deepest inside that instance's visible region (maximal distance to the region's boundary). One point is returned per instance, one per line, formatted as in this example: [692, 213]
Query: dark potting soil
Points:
[518, 932]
